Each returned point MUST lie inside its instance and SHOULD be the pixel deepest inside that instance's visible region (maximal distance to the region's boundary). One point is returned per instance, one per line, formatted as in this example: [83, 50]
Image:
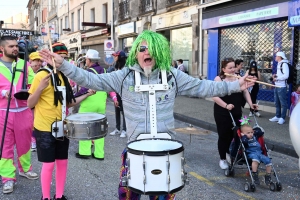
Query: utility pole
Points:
[112, 21]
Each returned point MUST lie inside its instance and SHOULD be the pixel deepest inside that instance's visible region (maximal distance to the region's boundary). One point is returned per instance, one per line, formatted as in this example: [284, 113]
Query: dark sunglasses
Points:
[143, 48]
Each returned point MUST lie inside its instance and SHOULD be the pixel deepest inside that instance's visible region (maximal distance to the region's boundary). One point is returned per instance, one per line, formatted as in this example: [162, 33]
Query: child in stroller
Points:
[255, 153]
[248, 147]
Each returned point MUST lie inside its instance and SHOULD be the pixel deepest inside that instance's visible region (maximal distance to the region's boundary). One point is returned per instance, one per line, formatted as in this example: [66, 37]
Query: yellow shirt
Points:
[45, 112]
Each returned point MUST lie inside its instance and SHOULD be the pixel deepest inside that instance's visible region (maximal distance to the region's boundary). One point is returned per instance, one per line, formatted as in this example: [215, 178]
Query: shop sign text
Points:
[249, 15]
[294, 13]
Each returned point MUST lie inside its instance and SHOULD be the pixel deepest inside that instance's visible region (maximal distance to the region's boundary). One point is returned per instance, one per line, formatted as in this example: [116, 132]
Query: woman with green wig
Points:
[149, 57]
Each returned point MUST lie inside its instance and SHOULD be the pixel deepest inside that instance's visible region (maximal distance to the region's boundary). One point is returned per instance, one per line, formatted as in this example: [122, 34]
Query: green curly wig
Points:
[158, 47]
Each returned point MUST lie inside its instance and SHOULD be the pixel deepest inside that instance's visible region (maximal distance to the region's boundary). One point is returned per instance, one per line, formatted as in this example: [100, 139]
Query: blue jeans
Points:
[280, 96]
[259, 157]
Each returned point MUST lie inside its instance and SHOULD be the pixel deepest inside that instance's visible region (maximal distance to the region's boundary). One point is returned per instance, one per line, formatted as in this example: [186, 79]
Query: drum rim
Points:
[156, 153]
[81, 122]
[157, 192]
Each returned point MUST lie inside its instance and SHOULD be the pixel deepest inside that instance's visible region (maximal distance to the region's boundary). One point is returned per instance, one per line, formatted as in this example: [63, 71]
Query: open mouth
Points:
[148, 60]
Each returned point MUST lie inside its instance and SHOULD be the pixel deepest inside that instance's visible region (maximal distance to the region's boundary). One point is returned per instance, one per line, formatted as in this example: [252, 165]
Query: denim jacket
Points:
[252, 145]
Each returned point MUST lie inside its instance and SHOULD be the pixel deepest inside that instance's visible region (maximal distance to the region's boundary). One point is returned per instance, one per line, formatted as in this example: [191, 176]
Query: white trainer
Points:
[281, 121]
[123, 134]
[30, 175]
[257, 114]
[223, 164]
[115, 132]
[8, 187]
[250, 114]
[33, 147]
[274, 119]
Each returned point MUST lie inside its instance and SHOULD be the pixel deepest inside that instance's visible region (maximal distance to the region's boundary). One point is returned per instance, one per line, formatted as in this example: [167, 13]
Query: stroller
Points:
[239, 157]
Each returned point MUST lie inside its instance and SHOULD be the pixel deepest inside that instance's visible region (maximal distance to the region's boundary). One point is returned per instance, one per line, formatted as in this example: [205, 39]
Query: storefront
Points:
[126, 34]
[95, 40]
[73, 43]
[294, 21]
[250, 35]
[177, 27]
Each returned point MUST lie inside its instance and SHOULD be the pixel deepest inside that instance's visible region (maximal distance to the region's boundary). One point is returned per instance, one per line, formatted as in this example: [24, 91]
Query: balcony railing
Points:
[124, 9]
[146, 6]
[53, 12]
[174, 2]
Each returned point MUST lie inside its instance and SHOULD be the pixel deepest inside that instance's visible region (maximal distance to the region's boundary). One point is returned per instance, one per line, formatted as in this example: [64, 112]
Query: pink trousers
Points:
[18, 133]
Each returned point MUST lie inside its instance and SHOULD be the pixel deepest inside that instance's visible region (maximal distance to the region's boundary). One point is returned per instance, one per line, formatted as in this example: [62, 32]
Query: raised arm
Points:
[188, 85]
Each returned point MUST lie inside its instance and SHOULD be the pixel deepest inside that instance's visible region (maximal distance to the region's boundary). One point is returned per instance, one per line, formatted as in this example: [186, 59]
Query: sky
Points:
[12, 7]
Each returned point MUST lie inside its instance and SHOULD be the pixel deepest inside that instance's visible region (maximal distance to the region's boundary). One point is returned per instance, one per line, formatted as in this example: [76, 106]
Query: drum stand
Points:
[152, 102]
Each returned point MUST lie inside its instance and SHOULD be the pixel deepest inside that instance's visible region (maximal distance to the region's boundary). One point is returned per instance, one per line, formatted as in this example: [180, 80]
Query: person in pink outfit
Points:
[17, 134]
[295, 98]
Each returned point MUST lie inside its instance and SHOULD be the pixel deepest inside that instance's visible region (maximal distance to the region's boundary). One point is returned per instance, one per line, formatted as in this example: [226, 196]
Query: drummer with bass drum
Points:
[150, 60]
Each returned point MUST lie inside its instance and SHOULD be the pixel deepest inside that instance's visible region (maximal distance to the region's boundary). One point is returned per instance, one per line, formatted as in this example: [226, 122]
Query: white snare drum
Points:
[86, 126]
[155, 166]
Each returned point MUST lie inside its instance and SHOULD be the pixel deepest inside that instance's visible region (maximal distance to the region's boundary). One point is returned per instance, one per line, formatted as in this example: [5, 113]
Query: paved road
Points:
[98, 180]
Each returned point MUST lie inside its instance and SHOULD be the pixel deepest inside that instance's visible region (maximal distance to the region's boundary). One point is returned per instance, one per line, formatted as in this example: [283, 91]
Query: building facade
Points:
[251, 31]
[177, 20]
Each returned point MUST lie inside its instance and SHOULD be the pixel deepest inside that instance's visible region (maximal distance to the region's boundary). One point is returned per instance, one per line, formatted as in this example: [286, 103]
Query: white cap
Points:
[92, 54]
[281, 54]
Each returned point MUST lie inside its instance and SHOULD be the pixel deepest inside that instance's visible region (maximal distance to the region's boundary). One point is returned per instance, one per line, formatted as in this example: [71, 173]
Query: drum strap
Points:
[151, 89]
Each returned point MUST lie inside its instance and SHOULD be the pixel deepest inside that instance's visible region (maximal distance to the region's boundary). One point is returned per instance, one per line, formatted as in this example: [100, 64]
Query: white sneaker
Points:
[8, 187]
[223, 164]
[228, 158]
[115, 132]
[30, 175]
[33, 147]
[257, 114]
[281, 121]
[123, 134]
[250, 114]
[274, 119]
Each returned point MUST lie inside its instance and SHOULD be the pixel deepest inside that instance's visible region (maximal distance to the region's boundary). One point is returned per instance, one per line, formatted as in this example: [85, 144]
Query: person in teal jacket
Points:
[95, 103]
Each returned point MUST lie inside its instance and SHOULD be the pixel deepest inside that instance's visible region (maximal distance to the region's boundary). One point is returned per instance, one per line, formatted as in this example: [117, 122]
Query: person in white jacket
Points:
[280, 93]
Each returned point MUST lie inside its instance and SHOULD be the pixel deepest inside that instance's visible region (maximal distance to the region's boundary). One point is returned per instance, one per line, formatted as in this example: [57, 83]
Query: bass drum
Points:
[294, 127]
[86, 126]
[155, 166]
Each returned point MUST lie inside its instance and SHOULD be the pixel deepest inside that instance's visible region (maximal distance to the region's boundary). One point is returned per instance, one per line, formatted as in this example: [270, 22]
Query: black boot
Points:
[268, 179]
[45, 199]
[255, 177]
[62, 198]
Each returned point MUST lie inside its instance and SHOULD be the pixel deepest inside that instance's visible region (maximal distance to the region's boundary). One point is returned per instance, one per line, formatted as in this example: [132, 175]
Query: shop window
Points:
[257, 42]
[181, 46]
[123, 9]
[146, 6]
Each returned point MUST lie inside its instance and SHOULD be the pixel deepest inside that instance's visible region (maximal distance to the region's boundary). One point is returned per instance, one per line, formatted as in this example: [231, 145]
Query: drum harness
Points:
[152, 88]
[57, 127]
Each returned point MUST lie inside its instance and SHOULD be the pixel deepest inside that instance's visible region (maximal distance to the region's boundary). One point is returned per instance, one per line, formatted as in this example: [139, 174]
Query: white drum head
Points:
[85, 117]
[154, 145]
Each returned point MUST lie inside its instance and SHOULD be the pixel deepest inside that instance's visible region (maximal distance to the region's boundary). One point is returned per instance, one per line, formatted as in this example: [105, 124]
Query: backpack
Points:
[289, 80]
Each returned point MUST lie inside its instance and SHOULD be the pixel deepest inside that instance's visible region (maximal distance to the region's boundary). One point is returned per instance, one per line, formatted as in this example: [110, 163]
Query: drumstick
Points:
[50, 43]
[260, 82]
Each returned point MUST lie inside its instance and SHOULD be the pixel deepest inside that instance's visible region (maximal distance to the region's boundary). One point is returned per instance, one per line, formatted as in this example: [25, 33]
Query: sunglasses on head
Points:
[143, 48]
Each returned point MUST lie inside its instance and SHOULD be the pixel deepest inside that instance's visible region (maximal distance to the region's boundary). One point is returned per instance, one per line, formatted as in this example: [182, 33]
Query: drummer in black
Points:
[223, 105]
